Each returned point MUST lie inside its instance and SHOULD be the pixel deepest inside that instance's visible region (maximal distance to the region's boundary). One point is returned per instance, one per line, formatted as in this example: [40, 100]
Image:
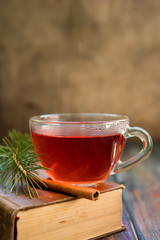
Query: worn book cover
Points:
[59, 216]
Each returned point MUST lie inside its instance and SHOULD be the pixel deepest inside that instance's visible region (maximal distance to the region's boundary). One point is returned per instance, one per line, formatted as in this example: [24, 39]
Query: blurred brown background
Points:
[80, 56]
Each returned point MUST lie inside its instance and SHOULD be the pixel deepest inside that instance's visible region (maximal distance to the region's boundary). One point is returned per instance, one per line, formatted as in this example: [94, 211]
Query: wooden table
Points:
[141, 198]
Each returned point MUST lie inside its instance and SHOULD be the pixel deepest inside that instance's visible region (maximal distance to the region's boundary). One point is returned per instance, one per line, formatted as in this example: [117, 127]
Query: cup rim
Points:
[111, 118]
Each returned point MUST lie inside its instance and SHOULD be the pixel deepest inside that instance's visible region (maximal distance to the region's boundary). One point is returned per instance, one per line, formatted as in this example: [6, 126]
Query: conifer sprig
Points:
[19, 163]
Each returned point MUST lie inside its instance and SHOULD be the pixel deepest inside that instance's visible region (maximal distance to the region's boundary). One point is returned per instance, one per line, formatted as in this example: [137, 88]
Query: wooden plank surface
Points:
[141, 198]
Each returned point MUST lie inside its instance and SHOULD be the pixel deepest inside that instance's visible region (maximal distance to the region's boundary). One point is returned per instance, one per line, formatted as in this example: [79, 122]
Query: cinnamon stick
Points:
[82, 192]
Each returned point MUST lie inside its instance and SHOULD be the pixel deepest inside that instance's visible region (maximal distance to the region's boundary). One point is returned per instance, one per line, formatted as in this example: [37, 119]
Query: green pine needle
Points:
[19, 163]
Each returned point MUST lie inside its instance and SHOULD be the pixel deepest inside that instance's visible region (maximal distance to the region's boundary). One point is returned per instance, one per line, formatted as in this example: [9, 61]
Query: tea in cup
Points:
[85, 148]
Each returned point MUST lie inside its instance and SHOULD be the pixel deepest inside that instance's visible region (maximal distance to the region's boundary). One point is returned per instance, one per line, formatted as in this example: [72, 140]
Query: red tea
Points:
[78, 159]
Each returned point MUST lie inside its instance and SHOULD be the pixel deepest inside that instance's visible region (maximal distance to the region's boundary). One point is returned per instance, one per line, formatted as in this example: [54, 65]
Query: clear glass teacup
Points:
[85, 148]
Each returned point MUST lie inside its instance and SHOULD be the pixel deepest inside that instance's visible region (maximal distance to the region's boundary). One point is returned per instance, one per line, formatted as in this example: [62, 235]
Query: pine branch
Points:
[19, 163]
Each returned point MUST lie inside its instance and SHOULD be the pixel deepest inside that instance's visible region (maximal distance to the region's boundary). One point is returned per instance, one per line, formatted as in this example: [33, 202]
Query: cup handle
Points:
[143, 154]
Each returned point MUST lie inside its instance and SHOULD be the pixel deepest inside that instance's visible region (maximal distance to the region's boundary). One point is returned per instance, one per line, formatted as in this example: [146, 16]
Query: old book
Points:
[58, 216]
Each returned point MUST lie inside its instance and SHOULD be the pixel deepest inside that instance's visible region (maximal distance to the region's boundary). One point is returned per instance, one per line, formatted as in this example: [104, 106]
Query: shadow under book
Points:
[58, 216]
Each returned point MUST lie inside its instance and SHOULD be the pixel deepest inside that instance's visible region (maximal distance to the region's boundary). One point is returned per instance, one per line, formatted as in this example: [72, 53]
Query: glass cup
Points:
[85, 148]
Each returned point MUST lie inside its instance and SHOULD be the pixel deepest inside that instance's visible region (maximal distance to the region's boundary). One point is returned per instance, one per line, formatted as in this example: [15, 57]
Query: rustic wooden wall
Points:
[80, 56]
